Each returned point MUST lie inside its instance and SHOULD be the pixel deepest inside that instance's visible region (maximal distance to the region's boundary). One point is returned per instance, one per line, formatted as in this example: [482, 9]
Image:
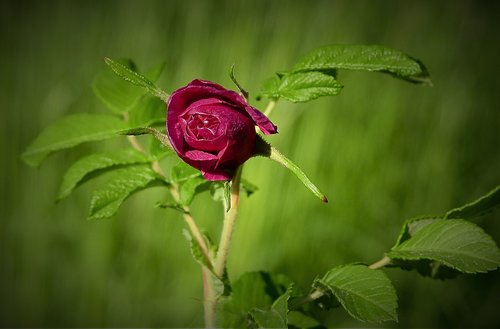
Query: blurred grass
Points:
[382, 151]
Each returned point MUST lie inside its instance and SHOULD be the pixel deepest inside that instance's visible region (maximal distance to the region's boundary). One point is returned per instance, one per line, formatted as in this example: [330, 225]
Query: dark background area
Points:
[382, 151]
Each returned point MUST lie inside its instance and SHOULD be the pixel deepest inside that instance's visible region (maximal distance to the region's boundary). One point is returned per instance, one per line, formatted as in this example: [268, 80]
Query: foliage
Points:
[437, 246]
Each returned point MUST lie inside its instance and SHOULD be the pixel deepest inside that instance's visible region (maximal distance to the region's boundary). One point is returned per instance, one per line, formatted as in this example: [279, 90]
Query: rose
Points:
[213, 129]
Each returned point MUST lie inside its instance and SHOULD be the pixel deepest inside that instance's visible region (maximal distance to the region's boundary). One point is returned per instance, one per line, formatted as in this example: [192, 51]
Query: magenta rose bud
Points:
[213, 129]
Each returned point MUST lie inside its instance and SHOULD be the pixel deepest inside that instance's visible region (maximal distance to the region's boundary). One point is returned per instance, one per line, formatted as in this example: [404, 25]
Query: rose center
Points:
[203, 126]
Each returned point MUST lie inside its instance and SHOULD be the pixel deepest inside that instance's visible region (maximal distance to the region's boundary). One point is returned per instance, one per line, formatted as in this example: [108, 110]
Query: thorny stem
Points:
[228, 226]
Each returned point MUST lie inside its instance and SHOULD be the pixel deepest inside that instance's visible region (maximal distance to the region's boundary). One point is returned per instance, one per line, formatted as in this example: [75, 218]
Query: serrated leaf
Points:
[302, 321]
[221, 192]
[199, 256]
[478, 207]
[190, 188]
[71, 131]
[95, 164]
[251, 290]
[413, 225]
[366, 58]
[121, 184]
[458, 244]
[118, 95]
[148, 111]
[302, 86]
[182, 172]
[135, 78]
[366, 294]
[276, 316]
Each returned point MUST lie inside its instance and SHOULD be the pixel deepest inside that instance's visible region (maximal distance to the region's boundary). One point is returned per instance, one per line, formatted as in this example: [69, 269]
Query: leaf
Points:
[277, 316]
[182, 172]
[135, 78]
[71, 131]
[148, 111]
[302, 86]
[190, 188]
[252, 290]
[458, 244]
[157, 150]
[243, 92]
[94, 164]
[478, 207]
[197, 253]
[265, 149]
[221, 191]
[121, 184]
[367, 295]
[366, 58]
[412, 226]
[118, 95]
[300, 320]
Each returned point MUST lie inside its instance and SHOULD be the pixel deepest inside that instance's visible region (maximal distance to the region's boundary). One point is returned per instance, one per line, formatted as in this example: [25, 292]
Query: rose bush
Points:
[213, 129]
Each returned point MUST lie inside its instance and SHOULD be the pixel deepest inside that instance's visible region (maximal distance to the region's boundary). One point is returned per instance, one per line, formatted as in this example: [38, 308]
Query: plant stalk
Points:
[228, 226]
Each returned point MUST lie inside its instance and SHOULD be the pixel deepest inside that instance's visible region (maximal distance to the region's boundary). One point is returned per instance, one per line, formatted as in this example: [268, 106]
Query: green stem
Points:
[381, 263]
[296, 304]
[228, 226]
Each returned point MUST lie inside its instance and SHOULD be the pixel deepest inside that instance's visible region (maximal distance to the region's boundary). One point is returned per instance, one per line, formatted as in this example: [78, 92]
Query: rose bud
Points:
[213, 129]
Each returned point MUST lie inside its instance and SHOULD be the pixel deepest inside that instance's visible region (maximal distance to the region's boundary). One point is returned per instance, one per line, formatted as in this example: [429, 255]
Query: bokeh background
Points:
[383, 151]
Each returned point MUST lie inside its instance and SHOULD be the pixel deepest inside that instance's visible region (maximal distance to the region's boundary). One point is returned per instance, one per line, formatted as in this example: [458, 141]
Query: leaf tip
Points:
[324, 199]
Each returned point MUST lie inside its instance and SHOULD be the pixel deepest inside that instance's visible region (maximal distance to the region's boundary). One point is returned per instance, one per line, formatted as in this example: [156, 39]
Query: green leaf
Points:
[95, 164]
[148, 111]
[118, 95]
[240, 88]
[121, 184]
[302, 86]
[221, 191]
[157, 150]
[277, 316]
[71, 131]
[190, 188]
[252, 290]
[190, 182]
[366, 58]
[367, 295]
[412, 226]
[266, 150]
[458, 244]
[478, 207]
[135, 78]
[300, 320]
[182, 172]
[197, 253]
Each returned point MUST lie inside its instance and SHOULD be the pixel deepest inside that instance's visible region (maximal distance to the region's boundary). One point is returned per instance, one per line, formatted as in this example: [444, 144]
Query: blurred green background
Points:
[383, 151]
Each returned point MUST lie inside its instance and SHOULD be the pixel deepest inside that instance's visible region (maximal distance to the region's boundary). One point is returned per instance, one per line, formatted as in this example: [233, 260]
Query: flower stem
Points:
[228, 226]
